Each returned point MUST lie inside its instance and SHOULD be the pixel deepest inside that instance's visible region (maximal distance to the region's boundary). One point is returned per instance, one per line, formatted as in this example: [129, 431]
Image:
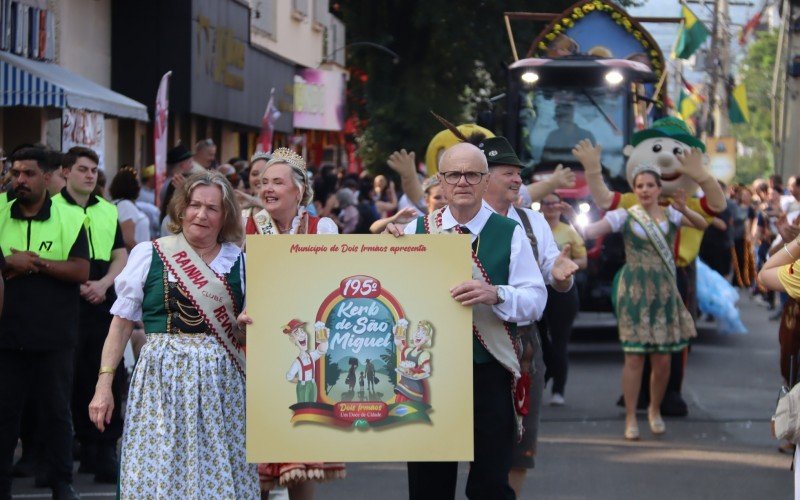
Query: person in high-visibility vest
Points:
[107, 258]
[47, 258]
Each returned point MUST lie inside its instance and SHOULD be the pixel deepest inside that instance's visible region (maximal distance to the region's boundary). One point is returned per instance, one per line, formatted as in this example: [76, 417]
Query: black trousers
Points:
[47, 375]
[494, 433]
[559, 315]
[91, 337]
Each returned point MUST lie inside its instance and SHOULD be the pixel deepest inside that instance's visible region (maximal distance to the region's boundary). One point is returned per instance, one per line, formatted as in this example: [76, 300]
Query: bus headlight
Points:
[614, 77]
[584, 208]
[582, 220]
[530, 77]
[536, 206]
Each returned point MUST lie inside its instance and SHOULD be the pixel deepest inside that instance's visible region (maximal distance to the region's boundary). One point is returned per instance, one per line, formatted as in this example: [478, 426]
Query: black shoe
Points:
[41, 481]
[673, 405]
[64, 491]
[106, 468]
[88, 458]
[24, 466]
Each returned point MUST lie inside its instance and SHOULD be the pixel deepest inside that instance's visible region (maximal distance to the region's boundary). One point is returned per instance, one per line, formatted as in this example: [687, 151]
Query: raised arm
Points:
[589, 156]
[692, 166]
[561, 178]
[690, 217]
[403, 163]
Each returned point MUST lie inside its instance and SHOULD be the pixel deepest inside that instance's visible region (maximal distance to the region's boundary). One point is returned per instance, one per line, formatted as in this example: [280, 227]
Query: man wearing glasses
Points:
[205, 155]
[507, 287]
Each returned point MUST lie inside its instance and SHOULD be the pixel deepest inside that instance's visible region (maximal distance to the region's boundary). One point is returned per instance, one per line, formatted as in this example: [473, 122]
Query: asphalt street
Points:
[723, 449]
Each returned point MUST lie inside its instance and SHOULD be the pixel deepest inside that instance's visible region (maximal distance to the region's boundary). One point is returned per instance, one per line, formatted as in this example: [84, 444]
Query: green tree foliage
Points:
[390, 359]
[452, 55]
[756, 136]
[332, 374]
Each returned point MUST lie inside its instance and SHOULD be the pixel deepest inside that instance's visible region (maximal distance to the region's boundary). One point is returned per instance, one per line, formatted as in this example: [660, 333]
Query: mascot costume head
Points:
[445, 139]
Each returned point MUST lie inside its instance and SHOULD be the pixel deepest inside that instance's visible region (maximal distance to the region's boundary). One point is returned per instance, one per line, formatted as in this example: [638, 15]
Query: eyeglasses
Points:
[472, 178]
[550, 203]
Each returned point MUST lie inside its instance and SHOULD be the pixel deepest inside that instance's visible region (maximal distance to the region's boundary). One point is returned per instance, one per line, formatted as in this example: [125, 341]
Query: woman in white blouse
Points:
[124, 190]
[652, 318]
[184, 424]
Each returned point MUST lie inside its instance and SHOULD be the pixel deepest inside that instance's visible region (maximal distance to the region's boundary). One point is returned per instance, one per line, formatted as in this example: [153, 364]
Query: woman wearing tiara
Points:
[285, 192]
[652, 318]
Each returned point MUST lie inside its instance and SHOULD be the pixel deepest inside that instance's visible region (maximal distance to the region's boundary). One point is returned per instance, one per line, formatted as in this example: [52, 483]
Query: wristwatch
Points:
[501, 295]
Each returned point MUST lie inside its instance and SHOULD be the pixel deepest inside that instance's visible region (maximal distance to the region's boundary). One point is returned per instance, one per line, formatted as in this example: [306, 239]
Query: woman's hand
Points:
[394, 229]
[102, 405]
[404, 216]
[567, 211]
[679, 201]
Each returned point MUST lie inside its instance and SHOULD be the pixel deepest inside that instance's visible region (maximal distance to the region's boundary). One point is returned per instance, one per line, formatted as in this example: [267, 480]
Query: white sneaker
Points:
[557, 400]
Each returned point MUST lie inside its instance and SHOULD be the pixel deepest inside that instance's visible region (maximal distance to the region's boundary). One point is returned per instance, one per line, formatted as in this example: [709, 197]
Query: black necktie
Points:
[465, 230]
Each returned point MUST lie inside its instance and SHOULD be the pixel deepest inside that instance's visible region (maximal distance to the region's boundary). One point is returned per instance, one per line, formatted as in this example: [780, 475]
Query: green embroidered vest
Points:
[166, 310]
[494, 253]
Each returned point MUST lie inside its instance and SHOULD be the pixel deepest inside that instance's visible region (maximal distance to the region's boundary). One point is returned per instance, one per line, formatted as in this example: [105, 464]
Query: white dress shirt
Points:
[525, 293]
[545, 242]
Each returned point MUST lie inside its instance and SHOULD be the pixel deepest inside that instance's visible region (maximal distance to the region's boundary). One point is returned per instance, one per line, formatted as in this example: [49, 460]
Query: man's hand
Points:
[589, 156]
[562, 177]
[178, 180]
[564, 267]
[402, 162]
[474, 292]
[692, 165]
[246, 200]
[94, 292]
[22, 262]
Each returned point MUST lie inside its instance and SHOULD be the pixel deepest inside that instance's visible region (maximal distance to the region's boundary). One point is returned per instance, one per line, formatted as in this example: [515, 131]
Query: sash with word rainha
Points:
[208, 292]
[656, 237]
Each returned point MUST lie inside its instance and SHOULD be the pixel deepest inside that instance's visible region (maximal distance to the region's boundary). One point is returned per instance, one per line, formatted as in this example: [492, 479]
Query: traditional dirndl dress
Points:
[651, 315]
[184, 434]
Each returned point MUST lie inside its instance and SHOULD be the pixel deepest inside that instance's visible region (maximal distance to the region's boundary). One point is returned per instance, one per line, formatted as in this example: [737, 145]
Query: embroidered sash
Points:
[208, 292]
[264, 223]
[656, 237]
[490, 330]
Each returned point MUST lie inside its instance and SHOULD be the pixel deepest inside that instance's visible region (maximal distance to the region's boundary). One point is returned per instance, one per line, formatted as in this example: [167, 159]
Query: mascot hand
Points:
[692, 165]
[562, 177]
[588, 155]
[402, 162]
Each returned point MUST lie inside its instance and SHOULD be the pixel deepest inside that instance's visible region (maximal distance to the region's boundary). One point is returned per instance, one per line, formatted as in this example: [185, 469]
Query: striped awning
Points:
[24, 82]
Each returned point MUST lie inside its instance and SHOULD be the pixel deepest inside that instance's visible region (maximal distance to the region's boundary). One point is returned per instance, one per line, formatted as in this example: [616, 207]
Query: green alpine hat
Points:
[672, 128]
[498, 151]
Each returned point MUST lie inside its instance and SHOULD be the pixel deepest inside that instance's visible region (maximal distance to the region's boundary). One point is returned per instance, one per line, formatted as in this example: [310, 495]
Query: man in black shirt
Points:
[47, 258]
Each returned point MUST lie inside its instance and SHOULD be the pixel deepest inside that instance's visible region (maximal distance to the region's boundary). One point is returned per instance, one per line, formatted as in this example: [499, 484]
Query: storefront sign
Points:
[83, 128]
[350, 360]
[319, 99]
[230, 79]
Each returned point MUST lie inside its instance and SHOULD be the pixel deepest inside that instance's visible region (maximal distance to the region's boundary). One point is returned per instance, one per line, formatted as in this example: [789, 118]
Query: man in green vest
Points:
[47, 259]
[107, 258]
[507, 287]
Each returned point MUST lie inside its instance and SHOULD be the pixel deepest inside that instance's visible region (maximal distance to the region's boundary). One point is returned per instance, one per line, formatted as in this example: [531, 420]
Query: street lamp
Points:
[395, 57]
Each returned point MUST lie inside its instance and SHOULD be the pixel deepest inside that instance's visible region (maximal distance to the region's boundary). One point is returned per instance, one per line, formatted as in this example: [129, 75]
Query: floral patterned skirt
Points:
[184, 433]
[650, 312]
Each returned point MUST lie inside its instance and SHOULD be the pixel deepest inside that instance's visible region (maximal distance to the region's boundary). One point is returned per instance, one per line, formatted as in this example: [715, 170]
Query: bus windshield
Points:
[553, 120]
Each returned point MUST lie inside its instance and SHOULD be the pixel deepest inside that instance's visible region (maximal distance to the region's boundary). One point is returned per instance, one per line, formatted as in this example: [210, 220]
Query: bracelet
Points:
[786, 249]
[106, 369]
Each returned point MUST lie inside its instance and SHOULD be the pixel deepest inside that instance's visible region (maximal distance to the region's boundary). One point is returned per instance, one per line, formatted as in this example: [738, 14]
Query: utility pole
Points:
[715, 114]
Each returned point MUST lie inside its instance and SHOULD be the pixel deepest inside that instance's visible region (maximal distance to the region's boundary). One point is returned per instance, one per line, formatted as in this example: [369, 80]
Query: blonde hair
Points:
[231, 231]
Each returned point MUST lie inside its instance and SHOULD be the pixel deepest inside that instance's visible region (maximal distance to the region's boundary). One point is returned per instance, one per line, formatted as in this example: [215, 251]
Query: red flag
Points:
[271, 115]
[160, 132]
[750, 26]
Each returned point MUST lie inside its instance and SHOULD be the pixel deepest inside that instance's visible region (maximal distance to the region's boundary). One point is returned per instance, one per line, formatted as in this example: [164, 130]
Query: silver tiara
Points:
[644, 167]
[260, 156]
[286, 155]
